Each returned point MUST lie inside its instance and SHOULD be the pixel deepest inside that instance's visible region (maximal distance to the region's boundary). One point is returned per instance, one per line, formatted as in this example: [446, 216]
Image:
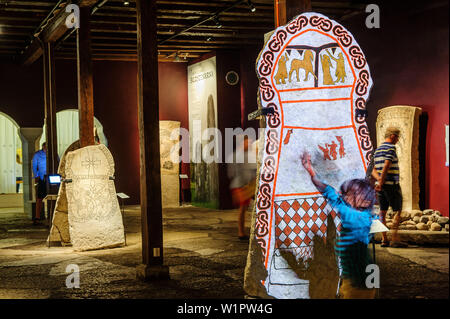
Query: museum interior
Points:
[134, 71]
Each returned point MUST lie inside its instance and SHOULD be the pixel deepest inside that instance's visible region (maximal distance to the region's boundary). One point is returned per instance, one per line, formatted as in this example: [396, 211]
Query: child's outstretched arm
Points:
[306, 162]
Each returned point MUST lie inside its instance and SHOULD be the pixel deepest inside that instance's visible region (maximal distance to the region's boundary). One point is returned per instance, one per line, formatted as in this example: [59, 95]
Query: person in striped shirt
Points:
[354, 205]
[387, 185]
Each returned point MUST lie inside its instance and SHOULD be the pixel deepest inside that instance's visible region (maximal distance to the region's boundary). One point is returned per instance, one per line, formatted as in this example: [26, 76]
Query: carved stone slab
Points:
[170, 170]
[59, 231]
[315, 76]
[95, 220]
[406, 119]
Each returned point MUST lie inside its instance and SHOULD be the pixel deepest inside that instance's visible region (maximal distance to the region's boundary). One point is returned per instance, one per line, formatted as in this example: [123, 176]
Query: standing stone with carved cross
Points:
[95, 220]
[406, 119]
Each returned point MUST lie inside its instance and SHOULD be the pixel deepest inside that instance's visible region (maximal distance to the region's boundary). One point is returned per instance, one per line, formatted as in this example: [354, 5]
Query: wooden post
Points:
[148, 118]
[85, 84]
[50, 108]
[285, 10]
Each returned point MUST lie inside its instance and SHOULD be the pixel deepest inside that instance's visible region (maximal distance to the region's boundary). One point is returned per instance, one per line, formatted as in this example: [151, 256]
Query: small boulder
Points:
[410, 222]
[435, 227]
[416, 219]
[415, 213]
[429, 222]
[389, 225]
[411, 227]
[437, 213]
[404, 215]
[424, 219]
[434, 218]
[427, 212]
[403, 227]
[442, 220]
[422, 226]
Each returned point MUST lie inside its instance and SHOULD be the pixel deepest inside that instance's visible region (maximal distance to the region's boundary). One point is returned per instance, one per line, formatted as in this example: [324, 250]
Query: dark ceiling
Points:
[113, 26]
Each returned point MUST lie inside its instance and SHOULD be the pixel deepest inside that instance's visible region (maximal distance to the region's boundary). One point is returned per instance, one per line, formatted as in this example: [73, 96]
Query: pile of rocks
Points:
[427, 219]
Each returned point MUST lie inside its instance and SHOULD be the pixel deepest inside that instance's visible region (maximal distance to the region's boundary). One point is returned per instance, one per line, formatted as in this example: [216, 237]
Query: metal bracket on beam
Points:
[362, 113]
[255, 115]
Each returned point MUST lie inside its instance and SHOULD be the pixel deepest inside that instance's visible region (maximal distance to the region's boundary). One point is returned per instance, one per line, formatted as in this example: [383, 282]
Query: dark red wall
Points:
[228, 114]
[409, 61]
[21, 94]
[173, 101]
[115, 105]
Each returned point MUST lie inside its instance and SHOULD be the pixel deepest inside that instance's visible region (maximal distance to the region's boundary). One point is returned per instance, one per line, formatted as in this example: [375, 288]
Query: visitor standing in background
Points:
[19, 178]
[39, 164]
[242, 173]
[386, 173]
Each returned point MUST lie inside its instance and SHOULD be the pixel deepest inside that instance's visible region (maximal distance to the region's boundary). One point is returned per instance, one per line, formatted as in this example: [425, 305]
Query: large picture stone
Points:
[95, 220]
[406, 119]
[314, 75]
[59, 232]
[170, 181]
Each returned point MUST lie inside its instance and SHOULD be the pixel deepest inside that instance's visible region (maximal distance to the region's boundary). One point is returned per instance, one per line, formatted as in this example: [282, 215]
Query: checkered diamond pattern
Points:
[297, 221]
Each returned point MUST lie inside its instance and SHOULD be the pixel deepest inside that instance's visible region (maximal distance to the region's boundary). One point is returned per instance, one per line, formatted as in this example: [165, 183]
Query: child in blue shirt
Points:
[354, 206]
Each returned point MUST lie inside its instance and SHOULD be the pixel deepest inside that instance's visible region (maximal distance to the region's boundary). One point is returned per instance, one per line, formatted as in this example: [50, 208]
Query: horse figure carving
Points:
[282, 71]
[305, 64]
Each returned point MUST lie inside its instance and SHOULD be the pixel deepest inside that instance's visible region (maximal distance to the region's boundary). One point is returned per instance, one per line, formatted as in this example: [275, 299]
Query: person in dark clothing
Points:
[39, 164]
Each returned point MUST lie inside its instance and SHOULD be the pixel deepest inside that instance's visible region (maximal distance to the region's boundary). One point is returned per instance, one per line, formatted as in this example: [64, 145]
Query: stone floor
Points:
[204, 255]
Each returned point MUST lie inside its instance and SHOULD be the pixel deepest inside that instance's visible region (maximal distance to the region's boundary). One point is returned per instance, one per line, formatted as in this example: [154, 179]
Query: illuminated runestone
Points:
[59, 232]
[170, 182]
[95, 220]
[406, 119]
[314, 75]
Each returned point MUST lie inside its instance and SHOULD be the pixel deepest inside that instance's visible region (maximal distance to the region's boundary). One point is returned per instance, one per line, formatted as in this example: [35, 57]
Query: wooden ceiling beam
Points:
[86, 3]
[31, 53]
[31, 3]
[13, 31]
[214, 4]
[56, 28]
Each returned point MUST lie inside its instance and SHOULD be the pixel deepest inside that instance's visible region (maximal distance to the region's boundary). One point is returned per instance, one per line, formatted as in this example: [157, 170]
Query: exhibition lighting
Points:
[126, 3]
[215, 14]
[251, 6]
[217, 21]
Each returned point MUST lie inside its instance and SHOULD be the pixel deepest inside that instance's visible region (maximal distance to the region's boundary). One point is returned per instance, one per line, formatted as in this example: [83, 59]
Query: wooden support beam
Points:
[56, 28]
[86, 3]
[285, 10]
[32, 53]
[85, 81]
[50, 108]
[148, 119]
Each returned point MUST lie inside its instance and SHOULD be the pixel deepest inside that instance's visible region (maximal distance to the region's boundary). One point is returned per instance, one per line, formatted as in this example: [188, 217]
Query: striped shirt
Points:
[386, 151]
[351, 245]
